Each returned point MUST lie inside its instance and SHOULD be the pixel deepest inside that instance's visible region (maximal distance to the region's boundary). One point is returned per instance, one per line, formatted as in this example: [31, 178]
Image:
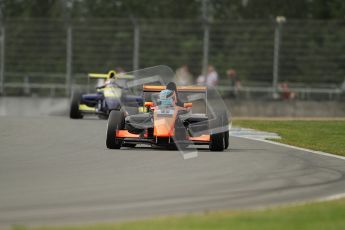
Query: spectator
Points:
[286, 93]
[234, 82]
[183, 76]
[211, 78]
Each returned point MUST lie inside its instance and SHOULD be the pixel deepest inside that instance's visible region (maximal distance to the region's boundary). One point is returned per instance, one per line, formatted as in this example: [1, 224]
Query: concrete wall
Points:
[30, 106]
[252, 108]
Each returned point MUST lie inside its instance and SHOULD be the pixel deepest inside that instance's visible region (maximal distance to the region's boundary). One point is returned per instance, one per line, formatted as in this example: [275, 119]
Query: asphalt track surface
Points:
[58, 171]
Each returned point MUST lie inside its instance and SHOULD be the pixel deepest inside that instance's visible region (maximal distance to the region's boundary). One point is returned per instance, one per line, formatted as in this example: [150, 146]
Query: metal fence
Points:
[46, 57]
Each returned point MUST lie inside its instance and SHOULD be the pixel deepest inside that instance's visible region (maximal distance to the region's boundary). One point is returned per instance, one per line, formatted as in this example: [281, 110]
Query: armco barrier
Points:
[31, 106]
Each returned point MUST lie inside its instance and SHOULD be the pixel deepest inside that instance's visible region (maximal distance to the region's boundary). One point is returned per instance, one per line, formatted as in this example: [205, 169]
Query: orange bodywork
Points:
[205, 138]
[148, 104]
[164, 126]
[163, 130]
[125, 134]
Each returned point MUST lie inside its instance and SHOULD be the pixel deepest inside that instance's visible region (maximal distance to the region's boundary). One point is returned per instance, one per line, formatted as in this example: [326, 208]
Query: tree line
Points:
[181, 9]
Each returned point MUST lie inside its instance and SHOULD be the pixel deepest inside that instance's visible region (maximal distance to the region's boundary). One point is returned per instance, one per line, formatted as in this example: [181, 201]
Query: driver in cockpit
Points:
[172, 86]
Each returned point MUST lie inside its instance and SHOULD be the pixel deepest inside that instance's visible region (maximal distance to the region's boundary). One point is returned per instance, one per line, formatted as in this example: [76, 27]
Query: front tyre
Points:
[217, 142]
[116, 121]
[75, 113]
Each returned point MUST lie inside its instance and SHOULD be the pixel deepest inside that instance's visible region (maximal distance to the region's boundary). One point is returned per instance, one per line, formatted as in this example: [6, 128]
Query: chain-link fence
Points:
[46, 57]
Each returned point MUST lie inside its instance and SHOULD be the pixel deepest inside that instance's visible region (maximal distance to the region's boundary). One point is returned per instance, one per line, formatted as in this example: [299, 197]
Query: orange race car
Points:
[166, 121]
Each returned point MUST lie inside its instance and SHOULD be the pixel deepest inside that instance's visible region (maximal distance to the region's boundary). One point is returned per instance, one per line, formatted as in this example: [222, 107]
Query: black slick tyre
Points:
[75, 113]
[116, 121]
[217, 142]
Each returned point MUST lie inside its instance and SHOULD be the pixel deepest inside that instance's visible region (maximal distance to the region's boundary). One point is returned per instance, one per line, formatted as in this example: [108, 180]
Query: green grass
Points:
[327, 136]
[324, 215]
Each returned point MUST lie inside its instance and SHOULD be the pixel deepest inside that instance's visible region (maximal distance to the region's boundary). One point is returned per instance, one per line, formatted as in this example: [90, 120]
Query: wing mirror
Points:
[188, 105]
[148, 104]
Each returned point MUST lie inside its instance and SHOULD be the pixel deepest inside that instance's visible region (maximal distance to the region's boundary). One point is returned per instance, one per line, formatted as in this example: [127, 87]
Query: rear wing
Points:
[158, 88]
[110, 74]
[197, 95]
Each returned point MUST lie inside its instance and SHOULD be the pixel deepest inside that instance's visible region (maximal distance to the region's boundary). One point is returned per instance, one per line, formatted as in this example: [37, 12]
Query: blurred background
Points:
[267, 51]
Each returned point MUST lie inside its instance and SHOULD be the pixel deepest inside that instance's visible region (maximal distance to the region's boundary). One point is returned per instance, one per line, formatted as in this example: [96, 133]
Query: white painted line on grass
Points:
[294, 147]
[257, 135]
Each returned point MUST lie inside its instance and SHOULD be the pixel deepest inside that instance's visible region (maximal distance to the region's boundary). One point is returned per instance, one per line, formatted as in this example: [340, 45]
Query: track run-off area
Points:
[54, 170]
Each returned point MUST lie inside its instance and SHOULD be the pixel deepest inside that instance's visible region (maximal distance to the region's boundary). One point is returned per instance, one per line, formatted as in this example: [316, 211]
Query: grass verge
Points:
[323, 215]
[327, 136]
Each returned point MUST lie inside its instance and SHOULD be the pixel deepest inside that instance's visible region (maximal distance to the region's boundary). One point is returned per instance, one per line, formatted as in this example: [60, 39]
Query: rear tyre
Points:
[75, 113]
[217, 142]
[116, 121]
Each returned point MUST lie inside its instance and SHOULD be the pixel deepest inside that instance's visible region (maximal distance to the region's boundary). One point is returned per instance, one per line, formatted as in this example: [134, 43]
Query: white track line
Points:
[286, 145]
[298, 148]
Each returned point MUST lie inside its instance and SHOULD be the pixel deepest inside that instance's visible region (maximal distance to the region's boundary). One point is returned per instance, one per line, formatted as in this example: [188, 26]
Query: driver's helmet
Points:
[167, 98]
